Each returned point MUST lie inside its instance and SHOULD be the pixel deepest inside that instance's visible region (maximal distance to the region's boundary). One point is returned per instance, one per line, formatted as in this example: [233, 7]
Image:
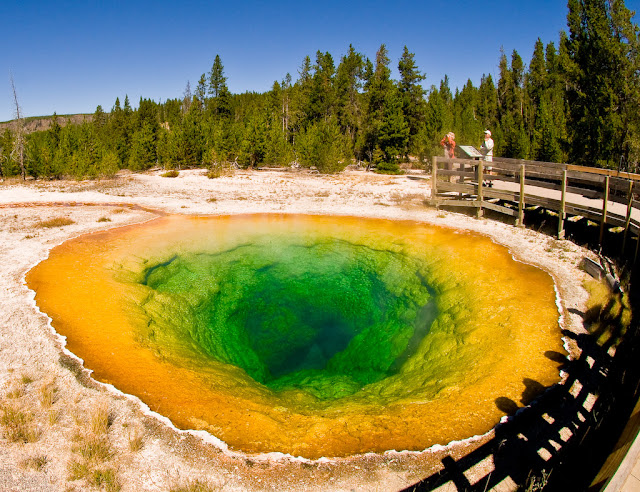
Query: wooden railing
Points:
[509, 185]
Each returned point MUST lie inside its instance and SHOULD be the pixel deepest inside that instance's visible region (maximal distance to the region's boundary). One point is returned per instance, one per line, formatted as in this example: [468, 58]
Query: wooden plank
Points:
[615, 220]
[454, 203]
[500, 208]
[582, 213]
[605, 203]
[628, 217]
[509, 196]
[521, 198]
[544, 202]
[620, 184]
[586, 209]
[457, 187]
[604, 172]
[504, 167]
[517, 162]
[586, 178]
[455, 160]
[480, 178]
[434, 176]
[563, 202]
[453, 172]
[624, 200]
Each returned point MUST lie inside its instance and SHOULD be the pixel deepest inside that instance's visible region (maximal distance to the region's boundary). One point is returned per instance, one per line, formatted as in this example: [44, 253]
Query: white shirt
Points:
[487, 149]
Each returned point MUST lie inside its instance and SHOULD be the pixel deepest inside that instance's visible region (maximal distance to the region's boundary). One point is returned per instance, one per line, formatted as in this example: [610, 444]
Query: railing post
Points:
[605, 202]
[480, 176]
[563, 204]
[627, 220]
[521, 200]
[434, 177]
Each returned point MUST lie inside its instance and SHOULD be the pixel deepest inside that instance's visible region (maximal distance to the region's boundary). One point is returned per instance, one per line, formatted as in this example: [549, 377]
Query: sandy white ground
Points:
[31, 355]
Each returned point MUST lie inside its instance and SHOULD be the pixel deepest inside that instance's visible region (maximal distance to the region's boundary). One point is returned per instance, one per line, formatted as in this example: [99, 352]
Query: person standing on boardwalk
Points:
[449, 144]
[487, 146]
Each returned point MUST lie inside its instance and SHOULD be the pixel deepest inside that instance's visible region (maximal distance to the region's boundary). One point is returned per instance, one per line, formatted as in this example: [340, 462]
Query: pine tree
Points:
[603, 82]
[348, 83]
[301, 98]
[515, 140]
[412, 94]
[217, 80]
[467, 125]
[322, 94]
[487, 103]
[201, 89]
[381, 104]
[394, 131]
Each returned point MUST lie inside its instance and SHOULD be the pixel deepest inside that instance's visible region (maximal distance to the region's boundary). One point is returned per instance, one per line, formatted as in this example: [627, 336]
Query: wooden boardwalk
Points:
[509, 185]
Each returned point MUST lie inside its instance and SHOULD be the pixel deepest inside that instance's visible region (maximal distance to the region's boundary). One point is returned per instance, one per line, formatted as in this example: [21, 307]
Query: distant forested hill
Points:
[43, 123]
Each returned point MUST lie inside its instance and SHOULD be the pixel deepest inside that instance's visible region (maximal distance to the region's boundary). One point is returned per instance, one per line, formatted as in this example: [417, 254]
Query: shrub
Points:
[17, 425]
[55, 222]
[170, 174]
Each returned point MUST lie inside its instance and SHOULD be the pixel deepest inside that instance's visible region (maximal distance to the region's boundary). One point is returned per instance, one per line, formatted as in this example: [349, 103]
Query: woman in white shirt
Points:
[487, 147]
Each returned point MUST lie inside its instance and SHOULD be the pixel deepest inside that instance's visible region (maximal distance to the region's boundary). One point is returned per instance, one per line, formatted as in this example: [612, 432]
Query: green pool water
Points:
[325, 316]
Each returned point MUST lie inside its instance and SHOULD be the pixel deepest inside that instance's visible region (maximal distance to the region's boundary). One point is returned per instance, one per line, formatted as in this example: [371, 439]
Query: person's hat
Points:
[487, 132]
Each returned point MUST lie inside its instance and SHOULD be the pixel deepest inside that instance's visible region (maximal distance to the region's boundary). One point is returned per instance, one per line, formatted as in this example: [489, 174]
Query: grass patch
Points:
[101, 419]
[54, 417]
[25, 379]
[17, 425]
[93, 449]
[194, 486]
[77, 470]
[106, 478]
[136, 441]
[35, 463]
[217, 169]
[16, 392]
[104, 219]
[212, 200]
[55, 222]
[558, 245]
[170, 174]
[47, 394]
[119, 211]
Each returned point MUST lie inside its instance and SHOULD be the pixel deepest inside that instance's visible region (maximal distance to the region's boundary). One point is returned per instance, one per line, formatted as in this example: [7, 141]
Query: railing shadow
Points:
[536, 440]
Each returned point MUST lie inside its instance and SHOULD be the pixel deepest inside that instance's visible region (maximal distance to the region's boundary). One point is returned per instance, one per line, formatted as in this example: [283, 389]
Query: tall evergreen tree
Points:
[603, 82]
[201, 89]
[322, 95]
[385, 127]
[348, 84]
[217, 80]
[412, 94]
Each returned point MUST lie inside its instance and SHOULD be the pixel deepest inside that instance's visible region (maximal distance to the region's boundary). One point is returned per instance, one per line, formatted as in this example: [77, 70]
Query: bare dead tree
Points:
[187, 98]
[18, 145]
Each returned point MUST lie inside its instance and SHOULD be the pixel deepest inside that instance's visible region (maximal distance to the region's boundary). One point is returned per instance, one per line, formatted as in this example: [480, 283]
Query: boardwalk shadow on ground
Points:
[534, 440]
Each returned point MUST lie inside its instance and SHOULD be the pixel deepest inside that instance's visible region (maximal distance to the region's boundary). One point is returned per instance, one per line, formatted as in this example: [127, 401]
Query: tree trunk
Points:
[19, 143]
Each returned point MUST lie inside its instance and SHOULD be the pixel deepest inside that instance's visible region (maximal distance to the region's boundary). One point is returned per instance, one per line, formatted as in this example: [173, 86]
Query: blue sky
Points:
[70, 57]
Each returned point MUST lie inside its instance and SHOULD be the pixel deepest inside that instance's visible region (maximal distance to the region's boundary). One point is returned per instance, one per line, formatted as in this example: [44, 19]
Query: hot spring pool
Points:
[307, 335]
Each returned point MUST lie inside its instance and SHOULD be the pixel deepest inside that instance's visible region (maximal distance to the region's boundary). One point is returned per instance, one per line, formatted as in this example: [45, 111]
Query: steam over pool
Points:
[314, 336]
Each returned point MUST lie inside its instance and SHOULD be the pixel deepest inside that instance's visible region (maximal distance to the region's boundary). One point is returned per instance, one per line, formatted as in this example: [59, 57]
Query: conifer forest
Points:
[576, 101]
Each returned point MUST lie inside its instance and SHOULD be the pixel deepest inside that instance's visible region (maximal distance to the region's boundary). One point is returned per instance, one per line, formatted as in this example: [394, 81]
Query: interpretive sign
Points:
[471, 151]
